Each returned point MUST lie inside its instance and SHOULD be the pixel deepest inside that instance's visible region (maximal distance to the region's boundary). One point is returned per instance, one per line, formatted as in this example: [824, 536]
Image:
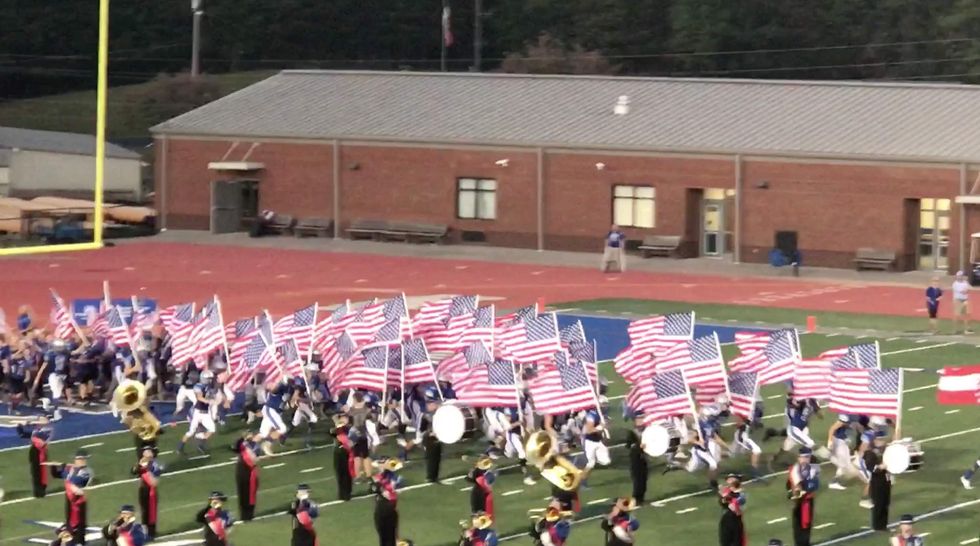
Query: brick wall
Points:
[834, 207]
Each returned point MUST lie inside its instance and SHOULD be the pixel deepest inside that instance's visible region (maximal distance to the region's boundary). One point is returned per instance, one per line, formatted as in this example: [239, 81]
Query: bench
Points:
[316, 227]
[367, 229]
[659, 245]
[415, 232]
[874, 258]
[281, 223]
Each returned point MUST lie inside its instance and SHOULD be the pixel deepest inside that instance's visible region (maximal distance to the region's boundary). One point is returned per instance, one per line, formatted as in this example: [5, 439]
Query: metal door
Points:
[712, 228]
[934, 223]
[226, 206]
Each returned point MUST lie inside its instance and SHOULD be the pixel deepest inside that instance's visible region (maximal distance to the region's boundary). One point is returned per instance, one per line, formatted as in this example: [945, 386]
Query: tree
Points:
[169, 96]
[549, 55]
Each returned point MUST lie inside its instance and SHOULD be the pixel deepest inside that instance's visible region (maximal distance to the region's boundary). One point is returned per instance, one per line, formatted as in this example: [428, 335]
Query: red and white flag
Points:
[661, 331]
[336, 355]
[812, 379]
[774, 363]
[290, 358]
[867, 391]
[664, 395]
[368, 369]
[299, 327]
[959, 385]
[531, 340]
[487, 383]
[561, 387]
[702, 362]
[433, 315]
[743, 388]
[462, 361]
[61, 318]
[634, 364]
[416, 365]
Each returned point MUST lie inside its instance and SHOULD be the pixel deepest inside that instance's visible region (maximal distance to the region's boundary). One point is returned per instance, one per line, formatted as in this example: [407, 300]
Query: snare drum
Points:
[902, 456]
[452, 423]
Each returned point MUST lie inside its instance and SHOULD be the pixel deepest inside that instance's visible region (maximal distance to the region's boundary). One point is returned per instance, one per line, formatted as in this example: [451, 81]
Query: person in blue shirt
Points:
[614, 250]
[304, 410]
[304, 511]
[40, 434]
[148, 470]
[25, 319]
[57, 360]
[273, 427]
[933, 295]
[798, 414]
[124, 530]
[202, 417]
[801, 484]
[216, 520]
[77, 477]
[18, 371]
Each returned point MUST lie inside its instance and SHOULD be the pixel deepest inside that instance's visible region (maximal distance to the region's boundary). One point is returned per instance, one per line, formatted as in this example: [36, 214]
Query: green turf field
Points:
[686, 514]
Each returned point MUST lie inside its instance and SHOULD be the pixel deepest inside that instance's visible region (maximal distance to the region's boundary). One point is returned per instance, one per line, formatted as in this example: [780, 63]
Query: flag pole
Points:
[129, 338]
[272, 343]
[105, 294]
[595, 397]
[728, 392]
[384, 388]
[432, 368]
[443, 28]
[71, 316]
[901, 404]
[517, 392]
[690, 399]
[401, 354]
[309, 352]
[224, 334]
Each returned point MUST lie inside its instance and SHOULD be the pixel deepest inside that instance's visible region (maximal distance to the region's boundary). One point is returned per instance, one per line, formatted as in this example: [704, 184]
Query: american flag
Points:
[290, 359]
[700, 359]
[661, 330]
[833, 354]
[390, 333]
[118, 329]
[524, 313]
[327, 327]
[433, 315]
[812, 379]
[487, 383]
[416, 364]
[299, 327]
[397, 308]
[142, 319]
[774, 362]
[749, 342]
[98, 323]
[584, 352]
[634, 364]
[208, 334]
[867, 391]
[572, 333]
[367, 369]
[269, 363]
[531, 340]
[743, 387]
[868, 355]
[471, 355]
[336, 355]
[240, 333]
[61, 317]
[561, 387]
[253, 354]
[481, 329]
[176, 317]
[663, 395]
[366, 320]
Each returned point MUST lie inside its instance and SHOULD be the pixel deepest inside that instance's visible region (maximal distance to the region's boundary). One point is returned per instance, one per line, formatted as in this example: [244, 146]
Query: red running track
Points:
[249, 279]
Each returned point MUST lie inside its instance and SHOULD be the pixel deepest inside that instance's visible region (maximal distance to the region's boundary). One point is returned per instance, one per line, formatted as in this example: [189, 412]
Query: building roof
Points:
[924, 122]
[57, 142]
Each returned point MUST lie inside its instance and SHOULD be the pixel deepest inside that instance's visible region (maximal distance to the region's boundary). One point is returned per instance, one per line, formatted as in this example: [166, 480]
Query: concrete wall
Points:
[34, 173]
[835, 206]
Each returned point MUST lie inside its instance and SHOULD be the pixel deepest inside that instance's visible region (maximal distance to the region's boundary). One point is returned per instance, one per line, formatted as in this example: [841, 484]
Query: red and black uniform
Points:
[568, 500]
[37, 455]
[803, 478]
[149, 474]
[216, 523]
[731, 529]
[76, 507]
[619, 529]
[247, 478]
[481, 495]
[343, 462]
[386, 507]
[304, 512]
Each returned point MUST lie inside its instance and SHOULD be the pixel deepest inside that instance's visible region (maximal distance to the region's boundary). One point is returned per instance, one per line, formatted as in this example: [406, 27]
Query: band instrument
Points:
[130, 398]
[558, 470]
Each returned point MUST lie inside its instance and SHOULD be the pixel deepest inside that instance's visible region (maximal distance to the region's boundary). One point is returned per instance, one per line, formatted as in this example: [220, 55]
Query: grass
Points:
[75, 112]
[429, 513]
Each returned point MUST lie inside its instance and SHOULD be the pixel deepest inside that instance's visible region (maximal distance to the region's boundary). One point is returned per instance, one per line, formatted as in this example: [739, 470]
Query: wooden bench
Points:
[281, 223]
[415, 232]
[660, 245]
[874, 258]
[367, 229]
[316, 227]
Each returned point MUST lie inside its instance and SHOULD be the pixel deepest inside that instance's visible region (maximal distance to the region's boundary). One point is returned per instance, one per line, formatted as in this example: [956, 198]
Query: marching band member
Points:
[906, 535]
[148, 471]
[123, 530]
[880, 484]
[479, 532]
[77, 476]
[620, 526]
[272, 426]
[431, 444]
[247, 475]
[63, 536]
[40, 434]
[596, 451]
[802, 483]
[869, 438]
[743, 443]
[384, 486]
[201, 416]
[731, 530]
[344, 465]
[798, 414]
[216, 520]
[482, 477]
[359, 414]
[304, 511]
[303, 411]
[551, 530]
[639, 470]
[968, 475]
[840, 452]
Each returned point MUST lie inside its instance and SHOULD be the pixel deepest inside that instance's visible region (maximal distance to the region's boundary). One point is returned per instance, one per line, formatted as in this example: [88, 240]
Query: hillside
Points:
[132, 109]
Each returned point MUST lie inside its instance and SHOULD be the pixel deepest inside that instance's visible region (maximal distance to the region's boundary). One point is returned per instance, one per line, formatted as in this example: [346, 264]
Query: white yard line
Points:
[686, 510]
[970, 541]
[916, 408]
[277, 465]
[914, 349]
[598, 501]
[777, 520]
[308, 470]
[825, 525]
[90, 446]
[952, 411]
[514, 492]
[124, 449]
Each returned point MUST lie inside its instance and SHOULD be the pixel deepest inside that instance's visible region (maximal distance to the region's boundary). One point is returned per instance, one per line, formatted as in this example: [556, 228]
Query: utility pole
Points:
[196, 39]
[477, 34]
[444, 34]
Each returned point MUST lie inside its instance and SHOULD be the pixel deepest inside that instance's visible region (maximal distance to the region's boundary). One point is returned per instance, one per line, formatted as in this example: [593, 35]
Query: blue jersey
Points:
[23, 322]
[79, 476]
[43, 434]
[205, 391]
[19, 367]
[708, 428]
[274, 400]
[57, 360]
[487, 537]
[843, 432]
[798, 414]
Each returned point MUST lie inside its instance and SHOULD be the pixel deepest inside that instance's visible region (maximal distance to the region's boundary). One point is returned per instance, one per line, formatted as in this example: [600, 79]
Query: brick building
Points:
[550, 161]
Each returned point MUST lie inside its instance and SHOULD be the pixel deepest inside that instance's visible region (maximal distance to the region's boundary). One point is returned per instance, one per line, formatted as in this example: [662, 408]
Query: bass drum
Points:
[452, 423]
[903, 456]
[656, 440]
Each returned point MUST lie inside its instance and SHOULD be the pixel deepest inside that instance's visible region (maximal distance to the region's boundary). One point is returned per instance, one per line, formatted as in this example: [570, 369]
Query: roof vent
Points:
[622, 106]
